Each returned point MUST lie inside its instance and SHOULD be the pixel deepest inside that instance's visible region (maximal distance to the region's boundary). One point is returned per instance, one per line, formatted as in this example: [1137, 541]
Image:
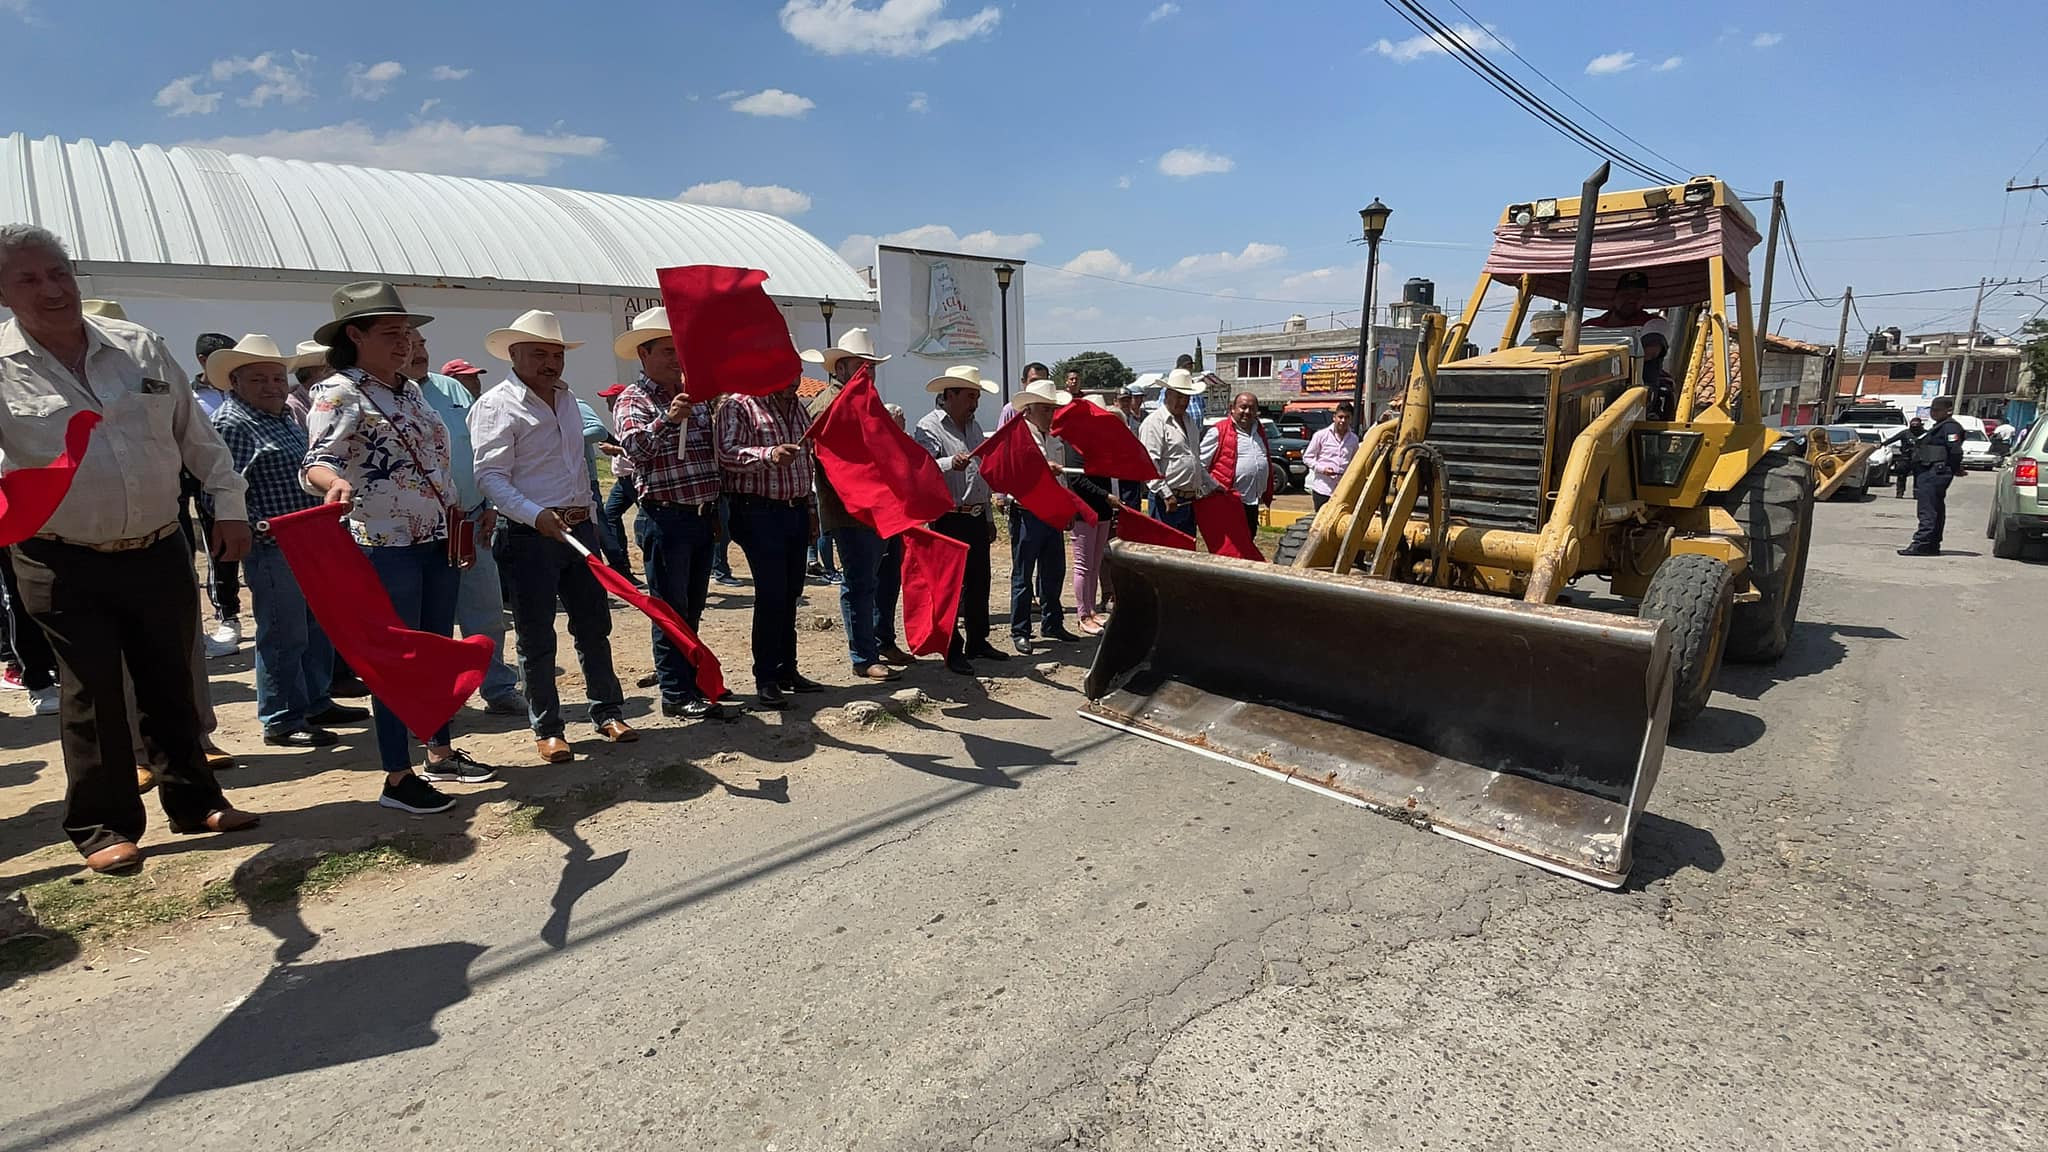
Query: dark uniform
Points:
[1902, 460]
[1937, 460]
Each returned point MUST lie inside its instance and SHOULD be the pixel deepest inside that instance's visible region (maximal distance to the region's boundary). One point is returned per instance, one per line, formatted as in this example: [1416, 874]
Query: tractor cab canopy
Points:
[1670, 234]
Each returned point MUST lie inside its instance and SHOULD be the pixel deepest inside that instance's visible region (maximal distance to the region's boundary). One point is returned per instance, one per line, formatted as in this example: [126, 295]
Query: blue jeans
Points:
[423, 589]
[1038, 554]
[1182, 517]
[676, 542]
[614, 527]
[721, 553]
[294, 661]
[860, 554]
[542, 572]
[820, 553]
[773, 534]
[480, 611]
[888, 589]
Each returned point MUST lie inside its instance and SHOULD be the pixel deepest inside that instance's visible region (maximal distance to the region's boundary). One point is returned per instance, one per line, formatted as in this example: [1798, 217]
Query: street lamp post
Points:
[1003, 274]
[1374, 217]
[825, 308]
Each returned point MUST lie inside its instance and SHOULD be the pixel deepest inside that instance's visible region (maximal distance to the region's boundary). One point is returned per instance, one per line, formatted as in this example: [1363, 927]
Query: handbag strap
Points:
[405, 442]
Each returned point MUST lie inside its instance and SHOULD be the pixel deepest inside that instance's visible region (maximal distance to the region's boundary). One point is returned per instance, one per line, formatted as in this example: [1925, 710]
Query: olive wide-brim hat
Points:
[364, 300]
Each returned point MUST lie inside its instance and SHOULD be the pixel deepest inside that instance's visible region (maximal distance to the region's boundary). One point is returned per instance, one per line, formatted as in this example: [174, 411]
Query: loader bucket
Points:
[1531, 730]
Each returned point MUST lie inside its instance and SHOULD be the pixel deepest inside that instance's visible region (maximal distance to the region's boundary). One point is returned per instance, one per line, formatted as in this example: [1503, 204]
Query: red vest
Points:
[1223, 470]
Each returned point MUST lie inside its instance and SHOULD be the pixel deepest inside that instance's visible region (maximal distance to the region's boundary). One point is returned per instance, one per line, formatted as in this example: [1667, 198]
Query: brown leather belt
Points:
[130, 544]
[571, 517]
[704, 509]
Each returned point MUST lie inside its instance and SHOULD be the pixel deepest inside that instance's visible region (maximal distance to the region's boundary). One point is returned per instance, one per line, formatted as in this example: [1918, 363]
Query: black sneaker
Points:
[302, 737]
[416, 796]
[456, 769]
[339, 714]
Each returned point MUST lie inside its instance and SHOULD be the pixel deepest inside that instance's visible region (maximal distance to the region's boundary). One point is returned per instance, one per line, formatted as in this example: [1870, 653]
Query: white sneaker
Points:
[43, 701]
[217, 647]
[228, 632]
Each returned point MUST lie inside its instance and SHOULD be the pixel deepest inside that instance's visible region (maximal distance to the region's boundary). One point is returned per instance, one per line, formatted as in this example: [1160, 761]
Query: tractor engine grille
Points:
[1493, 459]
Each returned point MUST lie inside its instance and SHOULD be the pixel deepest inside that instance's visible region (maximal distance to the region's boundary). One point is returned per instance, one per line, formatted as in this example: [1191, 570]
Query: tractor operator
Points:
[1937, 460]
[1627, 311]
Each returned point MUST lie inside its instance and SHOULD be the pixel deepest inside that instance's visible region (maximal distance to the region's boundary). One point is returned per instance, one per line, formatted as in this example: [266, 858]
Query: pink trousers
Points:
[1089, 542]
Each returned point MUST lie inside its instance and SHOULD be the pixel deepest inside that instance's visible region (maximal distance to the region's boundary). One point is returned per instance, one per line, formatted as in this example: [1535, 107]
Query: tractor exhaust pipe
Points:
[1582, 254]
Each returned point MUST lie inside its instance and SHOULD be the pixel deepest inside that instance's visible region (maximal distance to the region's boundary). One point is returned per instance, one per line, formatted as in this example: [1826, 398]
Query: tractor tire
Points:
[1693, 596]
[1291, 542]
[1774, 507]
[2006, 544]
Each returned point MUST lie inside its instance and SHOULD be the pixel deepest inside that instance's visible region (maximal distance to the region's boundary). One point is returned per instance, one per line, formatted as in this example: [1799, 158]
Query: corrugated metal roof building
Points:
[191, 240]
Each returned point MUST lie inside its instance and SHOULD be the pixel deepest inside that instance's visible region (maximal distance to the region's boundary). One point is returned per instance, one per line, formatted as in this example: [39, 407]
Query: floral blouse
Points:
[359, 427]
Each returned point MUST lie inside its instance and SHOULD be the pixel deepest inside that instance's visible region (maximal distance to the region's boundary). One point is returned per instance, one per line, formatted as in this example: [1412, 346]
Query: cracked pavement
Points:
[1834, 939]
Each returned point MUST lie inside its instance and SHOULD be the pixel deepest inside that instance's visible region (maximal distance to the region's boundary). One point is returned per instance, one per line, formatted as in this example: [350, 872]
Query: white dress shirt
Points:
[1173, 445]
[529, 453]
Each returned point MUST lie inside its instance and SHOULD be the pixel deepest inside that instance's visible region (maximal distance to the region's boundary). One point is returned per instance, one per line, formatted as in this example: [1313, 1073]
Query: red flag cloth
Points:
[1014, 464]
[729, 335]
[1220, 518]
[882, 476]
[29, 496]
[933, 566]
[1139, 528]
[1105, 442]
[422, 677]
[710, 676]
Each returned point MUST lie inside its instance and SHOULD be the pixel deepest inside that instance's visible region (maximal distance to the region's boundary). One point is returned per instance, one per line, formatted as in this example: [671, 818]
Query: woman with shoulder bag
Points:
[376, 445]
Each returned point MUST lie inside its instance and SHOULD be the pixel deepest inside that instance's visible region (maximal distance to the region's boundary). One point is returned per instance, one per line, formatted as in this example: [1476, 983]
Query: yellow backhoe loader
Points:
[1427, 669]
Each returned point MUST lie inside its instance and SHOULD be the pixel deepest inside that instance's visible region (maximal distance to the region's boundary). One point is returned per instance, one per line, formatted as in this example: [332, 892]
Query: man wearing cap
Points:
[1627, 309]
[480, 598]
[1170, 435]
[668, 439]
[612, 518]
[531, 465]
[1234, 452]
[1038, 550]
[862, 551]
[112, 538]
[951, 434]
[765, 468]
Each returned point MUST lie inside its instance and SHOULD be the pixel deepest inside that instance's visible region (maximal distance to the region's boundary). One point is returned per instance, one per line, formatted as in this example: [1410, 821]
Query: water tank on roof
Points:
[1297, 323]
[1418, 291]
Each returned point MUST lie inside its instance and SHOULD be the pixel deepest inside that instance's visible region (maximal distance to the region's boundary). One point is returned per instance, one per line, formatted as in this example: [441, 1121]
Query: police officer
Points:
[1901, 462]
[1937, 459]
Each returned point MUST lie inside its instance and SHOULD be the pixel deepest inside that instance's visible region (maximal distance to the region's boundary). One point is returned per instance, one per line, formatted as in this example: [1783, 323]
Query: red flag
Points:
[729, 335]
[933, 566]
[1139, 528]
[1013, 464]
[1105, 442]
[29, 496]
[882, 476]
[422, 677]
[1220, 518]
[710, 677]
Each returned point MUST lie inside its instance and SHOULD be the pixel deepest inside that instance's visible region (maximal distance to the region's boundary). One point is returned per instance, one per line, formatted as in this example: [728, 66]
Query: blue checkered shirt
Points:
[268, 451]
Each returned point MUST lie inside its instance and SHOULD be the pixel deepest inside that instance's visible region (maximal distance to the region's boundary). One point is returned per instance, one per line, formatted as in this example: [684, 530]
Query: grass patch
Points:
[523, 819]
[103, 906]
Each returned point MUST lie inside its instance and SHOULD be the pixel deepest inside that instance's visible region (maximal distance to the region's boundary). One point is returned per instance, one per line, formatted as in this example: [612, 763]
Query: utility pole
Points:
[1841, 345]
[2034, 187]
[1969, 346]
[1763, 308]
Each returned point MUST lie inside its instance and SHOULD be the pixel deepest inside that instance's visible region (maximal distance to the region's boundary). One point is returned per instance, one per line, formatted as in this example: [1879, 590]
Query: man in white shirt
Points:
[1170, 435]
[1329, 453]
[527, 434]
[1239, 461]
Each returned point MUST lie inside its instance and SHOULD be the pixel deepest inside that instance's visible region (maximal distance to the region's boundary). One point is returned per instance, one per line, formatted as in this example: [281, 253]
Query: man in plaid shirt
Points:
[765, 467]
[294, 661]
[667, 438]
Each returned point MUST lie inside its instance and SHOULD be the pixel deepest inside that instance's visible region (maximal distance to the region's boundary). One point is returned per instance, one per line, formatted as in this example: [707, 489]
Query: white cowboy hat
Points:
[1042, 392]
[1145, 382]
[963, 376]
[311, 354]
[536, 327]
[856, 343]
[104, 309]
[1183, 381]
[1102, 402]
[254, 348]
[649, 325]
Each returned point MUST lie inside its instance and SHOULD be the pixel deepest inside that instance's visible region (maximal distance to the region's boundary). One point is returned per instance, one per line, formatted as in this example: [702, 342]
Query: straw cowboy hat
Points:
[535, 327]
[311, 354]
[963, 376]
[856, 343]
[1043, 392]
[255, 348]
[649, 325]
[104, 309]
[363, 301]
[1183, 381]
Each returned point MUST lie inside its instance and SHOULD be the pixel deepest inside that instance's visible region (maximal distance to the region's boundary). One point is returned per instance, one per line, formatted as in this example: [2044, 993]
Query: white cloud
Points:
[1105, 262]
[373, 82]
[431, 146]
[23, 9]
[1163, 12]
[1610, 64]
[918, 103]
[859, 248]
[276, 79]
[773, 199]
[1321, 278]
[730, 94]
[890, 28]
[1767, 40]
[1100, 262]
[1416, 47]
[772, 102]
[179, 98]
[427, 105]
[1185, 162]
[1123, 182]
[1670, 64]
[450, 72]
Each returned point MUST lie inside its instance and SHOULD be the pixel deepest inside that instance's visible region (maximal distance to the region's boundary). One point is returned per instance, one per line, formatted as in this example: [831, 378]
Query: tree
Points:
[2035, 349]
[1100, 371]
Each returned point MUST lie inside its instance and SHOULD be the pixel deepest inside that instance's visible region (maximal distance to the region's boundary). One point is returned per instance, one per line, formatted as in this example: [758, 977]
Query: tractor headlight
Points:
[1662, 458]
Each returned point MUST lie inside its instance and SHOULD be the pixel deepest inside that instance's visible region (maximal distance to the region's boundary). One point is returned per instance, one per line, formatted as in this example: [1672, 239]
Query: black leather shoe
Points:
[800, 683]
[983, 650]
[688, 709]
[770, 697]
[300, 738]
[960, 665]
[1917, 552]
[339, 714]
[1061, 635]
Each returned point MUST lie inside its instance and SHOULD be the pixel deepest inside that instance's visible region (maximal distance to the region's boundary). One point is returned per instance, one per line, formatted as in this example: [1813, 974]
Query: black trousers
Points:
[1930, 490]
[972, 531]
[774, 535]
[99, 610]
[26, 644]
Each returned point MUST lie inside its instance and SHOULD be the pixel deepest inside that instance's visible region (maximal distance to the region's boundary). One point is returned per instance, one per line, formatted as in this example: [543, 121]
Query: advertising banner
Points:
[939, 309]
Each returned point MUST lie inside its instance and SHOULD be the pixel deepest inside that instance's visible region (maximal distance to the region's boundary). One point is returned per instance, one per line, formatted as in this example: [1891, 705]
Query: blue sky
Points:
[1210, 155]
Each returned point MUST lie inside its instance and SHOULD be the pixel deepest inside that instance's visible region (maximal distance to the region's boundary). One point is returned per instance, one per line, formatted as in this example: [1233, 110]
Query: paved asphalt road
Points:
[1834, 940]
